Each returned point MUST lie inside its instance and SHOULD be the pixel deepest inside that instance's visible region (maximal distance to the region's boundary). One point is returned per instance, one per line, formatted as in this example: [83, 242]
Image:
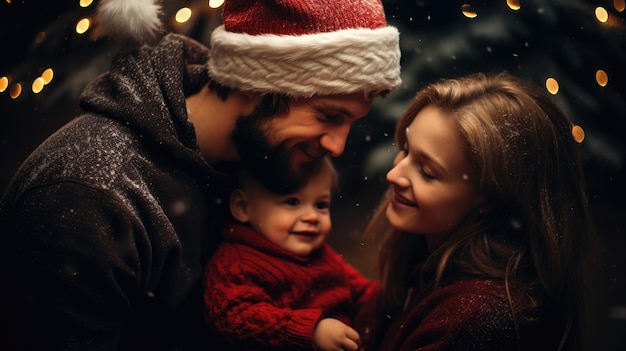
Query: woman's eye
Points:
[426, 175]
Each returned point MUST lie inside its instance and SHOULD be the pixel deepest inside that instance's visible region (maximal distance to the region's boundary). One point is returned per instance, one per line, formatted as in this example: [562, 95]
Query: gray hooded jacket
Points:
[105, 228]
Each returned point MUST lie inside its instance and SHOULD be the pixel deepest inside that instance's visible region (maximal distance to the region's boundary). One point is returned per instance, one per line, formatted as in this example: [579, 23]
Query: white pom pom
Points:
[136, 20]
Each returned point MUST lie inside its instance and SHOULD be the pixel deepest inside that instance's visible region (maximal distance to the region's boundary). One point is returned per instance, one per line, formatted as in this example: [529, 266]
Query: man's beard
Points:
[270, 165]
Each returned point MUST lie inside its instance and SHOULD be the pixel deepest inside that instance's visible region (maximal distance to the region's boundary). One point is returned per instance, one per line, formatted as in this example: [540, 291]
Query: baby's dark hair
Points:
[318, 165]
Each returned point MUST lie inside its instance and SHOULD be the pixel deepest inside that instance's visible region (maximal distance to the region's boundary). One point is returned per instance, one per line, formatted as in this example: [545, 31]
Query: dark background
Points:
[559, 39]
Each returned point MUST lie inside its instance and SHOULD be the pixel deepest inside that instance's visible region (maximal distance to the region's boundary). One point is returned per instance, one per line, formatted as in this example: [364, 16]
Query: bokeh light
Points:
[602, 78]
[468, 11]
[215, 3]
[619, 5]
[38, 85]
[82, 26]
[85, 3]
[552, 86]
[578, 133]
[4, 84]
[601, 14]
[16, 90]
[183, 15]
[47, 76]
[513, 4]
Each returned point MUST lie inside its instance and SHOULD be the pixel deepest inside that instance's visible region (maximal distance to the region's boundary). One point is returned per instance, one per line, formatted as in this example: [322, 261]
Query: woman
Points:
[488, 223]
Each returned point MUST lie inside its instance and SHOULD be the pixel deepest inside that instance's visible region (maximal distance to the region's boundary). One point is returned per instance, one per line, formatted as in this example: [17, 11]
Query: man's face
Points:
[277, 150]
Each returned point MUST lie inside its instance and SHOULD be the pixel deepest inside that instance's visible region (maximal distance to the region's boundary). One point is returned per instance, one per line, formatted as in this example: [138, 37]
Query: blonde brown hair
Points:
[537, 226]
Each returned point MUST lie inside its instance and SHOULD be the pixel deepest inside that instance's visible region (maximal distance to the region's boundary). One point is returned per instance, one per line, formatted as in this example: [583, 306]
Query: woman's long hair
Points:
[536, 227]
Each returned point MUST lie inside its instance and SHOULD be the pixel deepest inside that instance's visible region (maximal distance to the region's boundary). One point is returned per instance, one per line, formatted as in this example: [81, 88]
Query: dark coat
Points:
[106, 227]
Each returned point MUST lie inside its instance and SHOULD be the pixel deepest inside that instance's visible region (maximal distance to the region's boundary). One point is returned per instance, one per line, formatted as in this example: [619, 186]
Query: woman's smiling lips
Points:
[403, 200]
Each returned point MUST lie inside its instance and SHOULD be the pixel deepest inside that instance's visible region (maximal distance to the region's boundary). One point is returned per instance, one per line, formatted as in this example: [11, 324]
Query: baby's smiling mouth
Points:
[306, 233]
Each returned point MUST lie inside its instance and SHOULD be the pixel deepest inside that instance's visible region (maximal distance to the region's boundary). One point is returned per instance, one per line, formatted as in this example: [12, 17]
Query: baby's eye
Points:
[322, 205]
[292, 201]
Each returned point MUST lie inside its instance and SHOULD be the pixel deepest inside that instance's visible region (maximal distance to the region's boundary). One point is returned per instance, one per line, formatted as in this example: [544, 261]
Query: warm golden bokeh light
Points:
[578, 133]
[552, 85]
[215, 3]
[513, 4]
[47, 76]
[40, 37]
[619, 5]
[4, 84]
[37, 86]
[602, 78]
[82, 26]
[601, 14]
[468, 11]
[183, 15]
[85, 3]
[16, 90]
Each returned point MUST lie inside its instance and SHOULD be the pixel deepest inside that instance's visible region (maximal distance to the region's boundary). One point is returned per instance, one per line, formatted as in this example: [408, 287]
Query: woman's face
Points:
[432, 179]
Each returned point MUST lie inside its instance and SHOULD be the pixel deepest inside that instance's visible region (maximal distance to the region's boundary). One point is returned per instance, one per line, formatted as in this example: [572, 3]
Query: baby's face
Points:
[298, 222]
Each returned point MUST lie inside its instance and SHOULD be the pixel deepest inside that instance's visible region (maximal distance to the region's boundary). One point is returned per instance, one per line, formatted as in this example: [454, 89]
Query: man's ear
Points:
[238, 203]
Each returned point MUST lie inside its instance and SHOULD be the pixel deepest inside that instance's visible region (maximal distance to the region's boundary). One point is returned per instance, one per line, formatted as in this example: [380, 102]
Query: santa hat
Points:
[299, 48]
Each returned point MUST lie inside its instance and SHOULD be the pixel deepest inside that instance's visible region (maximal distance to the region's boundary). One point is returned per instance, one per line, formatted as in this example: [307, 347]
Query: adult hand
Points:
[333, 335]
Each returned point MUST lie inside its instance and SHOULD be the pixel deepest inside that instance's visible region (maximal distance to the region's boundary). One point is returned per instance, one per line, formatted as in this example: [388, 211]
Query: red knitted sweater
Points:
[259, 296]
[471, 314]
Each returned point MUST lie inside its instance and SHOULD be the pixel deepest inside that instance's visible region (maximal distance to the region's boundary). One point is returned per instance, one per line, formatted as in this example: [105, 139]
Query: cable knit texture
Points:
[259, 296]
[303, 48]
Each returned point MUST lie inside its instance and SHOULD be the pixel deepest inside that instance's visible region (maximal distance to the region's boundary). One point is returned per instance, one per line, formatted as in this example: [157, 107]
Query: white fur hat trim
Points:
[327, 63]
[136, 20]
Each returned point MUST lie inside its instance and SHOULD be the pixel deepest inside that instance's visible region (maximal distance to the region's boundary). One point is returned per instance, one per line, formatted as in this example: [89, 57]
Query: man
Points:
[106, 227]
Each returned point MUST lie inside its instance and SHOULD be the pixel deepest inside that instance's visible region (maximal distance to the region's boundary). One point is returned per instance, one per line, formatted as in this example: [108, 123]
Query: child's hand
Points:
[333, 335]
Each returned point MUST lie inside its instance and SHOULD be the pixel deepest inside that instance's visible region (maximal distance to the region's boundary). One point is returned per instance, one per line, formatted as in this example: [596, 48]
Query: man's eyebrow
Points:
[340, 110]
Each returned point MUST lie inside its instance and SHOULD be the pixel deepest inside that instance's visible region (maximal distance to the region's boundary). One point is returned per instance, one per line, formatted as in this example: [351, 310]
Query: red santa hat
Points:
[299, 48]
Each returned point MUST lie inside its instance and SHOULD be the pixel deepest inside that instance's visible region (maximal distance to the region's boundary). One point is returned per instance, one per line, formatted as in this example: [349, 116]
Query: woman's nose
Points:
[396, 177]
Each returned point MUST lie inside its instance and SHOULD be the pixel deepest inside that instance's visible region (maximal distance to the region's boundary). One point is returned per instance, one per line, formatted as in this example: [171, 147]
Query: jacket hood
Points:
[145, 89]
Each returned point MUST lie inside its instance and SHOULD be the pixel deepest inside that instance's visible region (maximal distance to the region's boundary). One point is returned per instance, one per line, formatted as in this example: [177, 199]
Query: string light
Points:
[468, 12]
[215, 3]
[552, 86]
[47, 76]
[37, 85]
[82, 26]
[183, 15]
[578, 133]
[16, 90]
[4, 84]
[601, 14]
[513, 4]
[602, 78]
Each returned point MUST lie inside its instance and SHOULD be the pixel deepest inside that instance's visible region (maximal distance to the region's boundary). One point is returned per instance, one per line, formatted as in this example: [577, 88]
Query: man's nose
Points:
[334, 141]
